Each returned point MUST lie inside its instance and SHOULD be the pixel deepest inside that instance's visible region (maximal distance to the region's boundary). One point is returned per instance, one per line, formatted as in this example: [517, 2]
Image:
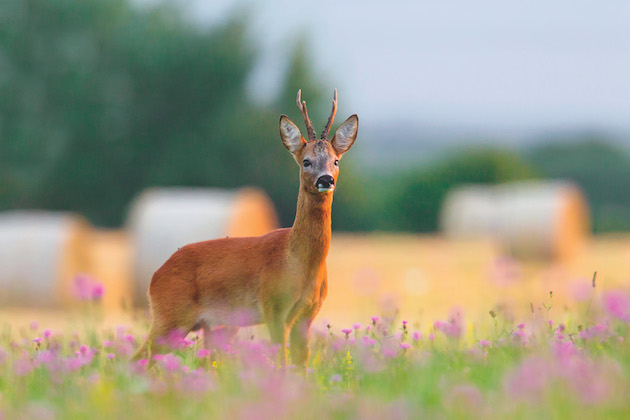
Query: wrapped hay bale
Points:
[40, 253]
[165, 219]
[527, 219]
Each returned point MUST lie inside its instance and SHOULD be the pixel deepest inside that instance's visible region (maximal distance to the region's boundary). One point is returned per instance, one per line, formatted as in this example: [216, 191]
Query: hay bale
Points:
[40, 252]
[548, 220]
[162, 220]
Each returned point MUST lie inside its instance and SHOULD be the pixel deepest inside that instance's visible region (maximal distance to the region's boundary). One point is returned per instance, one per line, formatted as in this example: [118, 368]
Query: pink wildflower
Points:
[47, 333]
[23, 366]
[453, 328]
[356, 326]
[374, 320]
[83, 286]
[405, 346]
[464, 396]
[416, 336]
[111, 356]
[581, 289]
[368, 342]
[485, 344]
[203, 353]
[618, 304]
[335, 378]
[171, 362]
[98, 290]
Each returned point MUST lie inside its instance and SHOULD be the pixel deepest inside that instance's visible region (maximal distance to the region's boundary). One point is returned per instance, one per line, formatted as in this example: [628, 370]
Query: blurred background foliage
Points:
[99, 100]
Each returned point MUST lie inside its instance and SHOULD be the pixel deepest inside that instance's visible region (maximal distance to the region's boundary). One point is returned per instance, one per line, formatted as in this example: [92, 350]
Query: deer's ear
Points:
[345, 135]
[290, 134]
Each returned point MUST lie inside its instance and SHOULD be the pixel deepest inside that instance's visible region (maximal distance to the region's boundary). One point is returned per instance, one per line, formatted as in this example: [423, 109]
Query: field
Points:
[413, 327]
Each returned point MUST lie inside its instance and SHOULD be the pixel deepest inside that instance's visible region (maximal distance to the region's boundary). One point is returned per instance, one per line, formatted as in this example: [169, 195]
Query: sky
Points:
[533, 65]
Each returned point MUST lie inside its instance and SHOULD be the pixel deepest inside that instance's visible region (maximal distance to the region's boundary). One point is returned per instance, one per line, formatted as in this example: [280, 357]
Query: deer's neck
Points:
[310, 235]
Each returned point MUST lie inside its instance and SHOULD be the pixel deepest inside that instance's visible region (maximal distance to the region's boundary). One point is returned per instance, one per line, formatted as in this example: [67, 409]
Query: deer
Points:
[278, 279]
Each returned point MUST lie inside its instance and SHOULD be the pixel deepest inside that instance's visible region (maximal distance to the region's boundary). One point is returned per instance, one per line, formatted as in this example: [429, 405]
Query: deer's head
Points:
[318, 158]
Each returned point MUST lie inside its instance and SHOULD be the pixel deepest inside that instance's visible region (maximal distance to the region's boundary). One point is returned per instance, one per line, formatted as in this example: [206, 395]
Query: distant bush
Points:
[416, 197]
[600, 168]
[101, 99]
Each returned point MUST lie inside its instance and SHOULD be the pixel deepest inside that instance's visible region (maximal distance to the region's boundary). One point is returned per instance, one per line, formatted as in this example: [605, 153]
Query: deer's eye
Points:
[306, 163]
[336, 162]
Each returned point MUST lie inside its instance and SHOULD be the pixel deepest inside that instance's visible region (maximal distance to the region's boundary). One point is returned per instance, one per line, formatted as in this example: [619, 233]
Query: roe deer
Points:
[278, 278]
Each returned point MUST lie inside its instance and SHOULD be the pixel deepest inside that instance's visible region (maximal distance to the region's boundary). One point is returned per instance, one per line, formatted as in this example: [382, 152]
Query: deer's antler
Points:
[302, 107]
[331, 118]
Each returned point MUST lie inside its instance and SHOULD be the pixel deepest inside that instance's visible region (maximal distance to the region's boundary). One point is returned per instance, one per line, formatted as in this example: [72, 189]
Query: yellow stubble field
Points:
[420, 276]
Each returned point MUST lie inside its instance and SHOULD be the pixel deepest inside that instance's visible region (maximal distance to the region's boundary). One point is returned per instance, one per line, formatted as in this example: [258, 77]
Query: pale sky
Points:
[489, 63]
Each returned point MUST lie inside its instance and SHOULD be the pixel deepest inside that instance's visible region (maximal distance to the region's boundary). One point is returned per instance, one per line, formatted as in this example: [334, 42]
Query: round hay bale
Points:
[40, 253]
[527, 219]
[161, 220]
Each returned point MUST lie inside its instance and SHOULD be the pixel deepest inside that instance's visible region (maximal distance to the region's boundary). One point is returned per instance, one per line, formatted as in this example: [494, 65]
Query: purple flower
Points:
[416, 336]
[367, 341]
[98, 290]
[357, 326]
[170, 363]
[454, 328]
[23, 366]
[618, 304]
[335, 378]
[405, 346]
[346, 331]
[83, 286]
[529, 380]
[47, 333]
[111, 356]
[203, 353]
[485, 344]
[521, 326]
[37, 340]
[46, 357]
[374, 320]
[464, 396]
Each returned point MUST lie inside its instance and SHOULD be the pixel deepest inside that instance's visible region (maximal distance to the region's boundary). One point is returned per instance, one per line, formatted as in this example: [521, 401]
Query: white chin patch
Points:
[325, 190]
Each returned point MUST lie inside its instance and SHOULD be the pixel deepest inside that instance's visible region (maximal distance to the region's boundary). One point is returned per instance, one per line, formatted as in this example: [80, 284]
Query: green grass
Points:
[578, 367]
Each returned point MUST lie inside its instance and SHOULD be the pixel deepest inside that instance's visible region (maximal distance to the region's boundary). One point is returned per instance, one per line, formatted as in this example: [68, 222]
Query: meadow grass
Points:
[553, 364]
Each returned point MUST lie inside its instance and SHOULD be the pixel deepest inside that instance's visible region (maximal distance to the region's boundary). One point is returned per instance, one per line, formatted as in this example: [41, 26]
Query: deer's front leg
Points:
[278, 334]
[301, 336]
[275, 317]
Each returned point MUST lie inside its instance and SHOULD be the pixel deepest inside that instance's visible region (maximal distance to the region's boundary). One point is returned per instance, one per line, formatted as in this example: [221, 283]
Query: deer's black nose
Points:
[325, 181]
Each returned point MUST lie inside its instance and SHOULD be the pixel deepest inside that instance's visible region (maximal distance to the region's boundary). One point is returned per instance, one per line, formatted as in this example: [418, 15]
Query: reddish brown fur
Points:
[278, 278]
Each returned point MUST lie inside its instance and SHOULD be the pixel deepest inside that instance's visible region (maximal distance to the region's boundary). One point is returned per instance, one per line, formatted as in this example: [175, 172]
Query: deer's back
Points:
[227, 270]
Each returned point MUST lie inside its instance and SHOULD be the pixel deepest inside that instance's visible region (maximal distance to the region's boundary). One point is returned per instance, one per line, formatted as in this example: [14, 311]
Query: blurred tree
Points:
[100, 100]
[599, 168]
[417, 196]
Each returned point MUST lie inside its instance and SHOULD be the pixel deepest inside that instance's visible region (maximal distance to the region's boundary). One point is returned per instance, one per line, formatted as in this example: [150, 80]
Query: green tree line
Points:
[100, 100]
